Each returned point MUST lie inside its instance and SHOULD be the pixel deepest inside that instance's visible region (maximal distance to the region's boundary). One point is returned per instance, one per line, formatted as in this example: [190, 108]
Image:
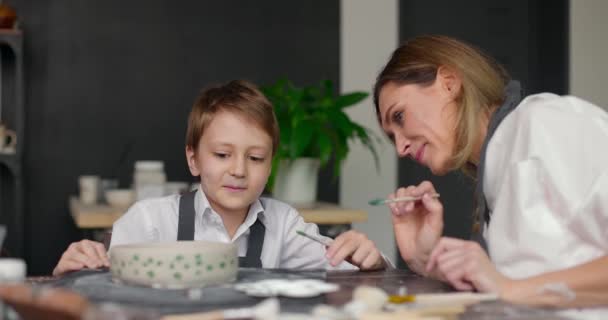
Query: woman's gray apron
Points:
[513, 96]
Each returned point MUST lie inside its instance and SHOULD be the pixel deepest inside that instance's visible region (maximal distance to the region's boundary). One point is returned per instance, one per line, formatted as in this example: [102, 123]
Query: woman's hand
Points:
[354, 247]
[82, 254]
[466, 266]
[418, 225]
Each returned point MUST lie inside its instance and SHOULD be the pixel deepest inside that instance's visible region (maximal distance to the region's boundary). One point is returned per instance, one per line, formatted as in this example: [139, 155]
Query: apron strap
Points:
[185, 225]
[185, 232]
[513, 96]
[255, 243]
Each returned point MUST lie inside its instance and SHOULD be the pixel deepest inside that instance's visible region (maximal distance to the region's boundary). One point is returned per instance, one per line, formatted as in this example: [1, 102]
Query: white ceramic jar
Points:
[12, 271]
[149, 179]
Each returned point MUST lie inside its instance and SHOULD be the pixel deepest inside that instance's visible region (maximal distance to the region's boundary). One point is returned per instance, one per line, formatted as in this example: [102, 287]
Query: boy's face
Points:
[234, 159]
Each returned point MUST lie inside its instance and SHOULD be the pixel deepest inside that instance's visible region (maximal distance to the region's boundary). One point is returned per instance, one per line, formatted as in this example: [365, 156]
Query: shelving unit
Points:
[101, 216]
[12, 115]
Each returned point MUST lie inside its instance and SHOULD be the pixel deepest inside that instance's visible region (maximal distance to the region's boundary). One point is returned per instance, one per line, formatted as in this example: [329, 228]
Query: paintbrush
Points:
[318, 239]
[380, 201]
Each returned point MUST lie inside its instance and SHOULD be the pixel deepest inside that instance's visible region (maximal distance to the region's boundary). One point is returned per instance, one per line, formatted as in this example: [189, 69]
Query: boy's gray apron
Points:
[185, 232]
[513, 96]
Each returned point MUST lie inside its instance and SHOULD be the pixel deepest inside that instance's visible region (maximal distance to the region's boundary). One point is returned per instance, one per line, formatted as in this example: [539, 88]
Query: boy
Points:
[231, 138]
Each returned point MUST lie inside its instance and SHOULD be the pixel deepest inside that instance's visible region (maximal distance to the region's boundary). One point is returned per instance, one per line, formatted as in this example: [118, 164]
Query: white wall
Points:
[369, 34]
[589, 50]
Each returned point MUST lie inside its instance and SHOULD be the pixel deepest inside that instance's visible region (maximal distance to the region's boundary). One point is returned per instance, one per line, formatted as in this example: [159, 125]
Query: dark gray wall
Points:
[105, 75]
[530, 38]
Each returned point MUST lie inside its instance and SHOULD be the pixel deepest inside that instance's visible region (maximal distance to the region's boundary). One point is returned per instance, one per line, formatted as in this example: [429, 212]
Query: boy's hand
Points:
[356, 248]
[83, 254]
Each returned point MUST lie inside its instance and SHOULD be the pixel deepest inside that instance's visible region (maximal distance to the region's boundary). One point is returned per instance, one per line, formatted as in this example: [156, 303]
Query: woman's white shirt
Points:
[156, 220]
[546, 185]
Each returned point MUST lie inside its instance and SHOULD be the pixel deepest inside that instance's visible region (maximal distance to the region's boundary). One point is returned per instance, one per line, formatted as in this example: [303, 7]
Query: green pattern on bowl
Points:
[175, 265]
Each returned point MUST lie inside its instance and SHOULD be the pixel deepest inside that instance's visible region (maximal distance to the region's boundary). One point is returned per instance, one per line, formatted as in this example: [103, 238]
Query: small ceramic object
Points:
[89, 185]
[373, 297]
[175, 187]
[121, 198]
[12, 270]
[304, 288]
[299, 292]
[149, 179]
[183, 264]
[106, 184]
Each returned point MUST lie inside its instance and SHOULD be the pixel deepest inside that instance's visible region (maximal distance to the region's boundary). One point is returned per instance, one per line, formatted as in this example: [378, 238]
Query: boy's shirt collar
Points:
[203, 209]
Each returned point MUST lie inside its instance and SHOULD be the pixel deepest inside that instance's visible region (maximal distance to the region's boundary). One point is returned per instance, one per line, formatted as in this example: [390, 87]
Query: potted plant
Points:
[314, 128]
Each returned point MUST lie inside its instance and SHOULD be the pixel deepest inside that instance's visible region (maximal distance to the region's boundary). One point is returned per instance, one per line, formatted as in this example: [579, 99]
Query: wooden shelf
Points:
[103, 216]
[329, 213]
[94, 216]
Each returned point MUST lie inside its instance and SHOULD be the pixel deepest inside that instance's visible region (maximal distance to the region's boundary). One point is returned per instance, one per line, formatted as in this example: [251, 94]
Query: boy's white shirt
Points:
[156, 220]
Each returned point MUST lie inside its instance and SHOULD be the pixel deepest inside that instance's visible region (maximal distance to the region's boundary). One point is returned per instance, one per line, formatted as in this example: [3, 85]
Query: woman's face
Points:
[420, 121]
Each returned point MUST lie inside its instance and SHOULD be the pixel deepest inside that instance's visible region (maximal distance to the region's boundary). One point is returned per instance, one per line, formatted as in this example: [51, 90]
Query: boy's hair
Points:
[238, 97]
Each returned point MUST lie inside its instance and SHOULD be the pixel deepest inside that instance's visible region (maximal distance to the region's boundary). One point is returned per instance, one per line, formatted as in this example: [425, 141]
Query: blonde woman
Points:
[541, 164]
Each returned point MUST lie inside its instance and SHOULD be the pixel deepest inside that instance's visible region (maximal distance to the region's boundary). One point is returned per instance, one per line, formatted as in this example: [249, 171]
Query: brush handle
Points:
[464, 298]
[322, 241]
[404, 199]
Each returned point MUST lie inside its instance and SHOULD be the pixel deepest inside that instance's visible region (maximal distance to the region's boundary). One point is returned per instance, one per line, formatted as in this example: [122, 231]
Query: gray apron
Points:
[513, 96]
[185, 232]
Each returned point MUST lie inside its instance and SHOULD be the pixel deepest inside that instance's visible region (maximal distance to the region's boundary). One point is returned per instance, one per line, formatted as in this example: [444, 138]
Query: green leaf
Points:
[341, 152]
[301, 138]
[325, 148]
[343, 123]
[325, 103]
[327, 86]
[364, 138]
[350, 99]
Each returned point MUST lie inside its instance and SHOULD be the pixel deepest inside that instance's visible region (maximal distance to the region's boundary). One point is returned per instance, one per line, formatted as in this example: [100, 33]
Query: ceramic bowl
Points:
[183, 264]
[120, 197]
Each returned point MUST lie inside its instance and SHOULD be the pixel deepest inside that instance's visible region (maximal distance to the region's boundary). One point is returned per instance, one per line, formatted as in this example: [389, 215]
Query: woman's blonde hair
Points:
[483, 83]
[239, 97]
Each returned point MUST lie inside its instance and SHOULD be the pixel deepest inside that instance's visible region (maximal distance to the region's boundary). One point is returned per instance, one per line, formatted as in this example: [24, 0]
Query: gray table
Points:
[99, 288]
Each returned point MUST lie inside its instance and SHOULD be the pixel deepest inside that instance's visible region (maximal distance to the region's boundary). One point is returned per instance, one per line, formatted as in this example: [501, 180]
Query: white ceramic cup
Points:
[8, 138]
[175, 187]
[88, 189]
[12, 270]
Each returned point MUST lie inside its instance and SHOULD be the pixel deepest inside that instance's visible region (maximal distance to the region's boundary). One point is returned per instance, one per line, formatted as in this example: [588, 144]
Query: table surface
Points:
[101, 216]
[98, 288]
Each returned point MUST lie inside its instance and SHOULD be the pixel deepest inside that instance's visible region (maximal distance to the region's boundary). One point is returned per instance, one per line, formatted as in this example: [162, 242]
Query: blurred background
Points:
[110, 82]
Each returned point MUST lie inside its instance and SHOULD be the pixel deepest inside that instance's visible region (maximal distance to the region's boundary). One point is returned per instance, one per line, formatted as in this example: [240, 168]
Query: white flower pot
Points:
[296, 181]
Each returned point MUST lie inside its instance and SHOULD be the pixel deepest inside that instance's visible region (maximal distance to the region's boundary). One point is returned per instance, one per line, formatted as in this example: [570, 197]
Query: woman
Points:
[541, 166]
